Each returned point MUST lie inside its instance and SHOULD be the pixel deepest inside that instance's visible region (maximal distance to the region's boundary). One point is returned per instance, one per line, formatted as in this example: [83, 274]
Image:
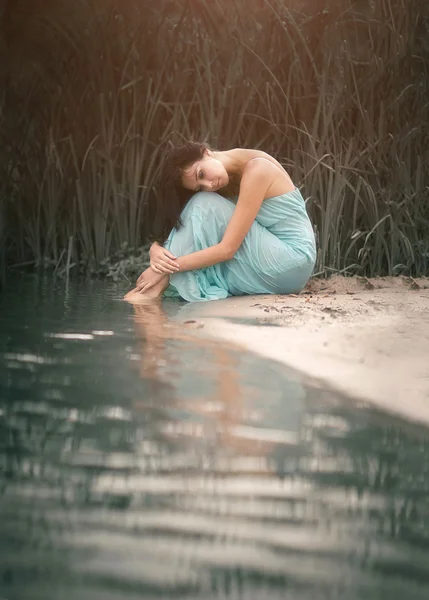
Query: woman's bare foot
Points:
[152, 293]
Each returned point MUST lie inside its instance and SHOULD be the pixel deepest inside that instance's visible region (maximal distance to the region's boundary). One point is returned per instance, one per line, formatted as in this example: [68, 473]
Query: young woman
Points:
[230, 223]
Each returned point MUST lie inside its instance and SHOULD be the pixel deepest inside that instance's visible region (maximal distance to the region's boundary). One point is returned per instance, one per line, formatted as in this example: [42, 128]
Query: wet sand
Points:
[368, 338]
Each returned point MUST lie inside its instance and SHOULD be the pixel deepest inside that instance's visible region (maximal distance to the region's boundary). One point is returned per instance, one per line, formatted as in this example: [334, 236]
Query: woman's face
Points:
[205, 175]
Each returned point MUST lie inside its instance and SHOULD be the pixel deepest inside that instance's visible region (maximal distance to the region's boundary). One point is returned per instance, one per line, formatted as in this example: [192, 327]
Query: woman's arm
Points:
[256, 179]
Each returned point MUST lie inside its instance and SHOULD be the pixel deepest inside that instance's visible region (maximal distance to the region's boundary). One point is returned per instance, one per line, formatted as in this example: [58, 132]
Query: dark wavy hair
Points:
[173, 196]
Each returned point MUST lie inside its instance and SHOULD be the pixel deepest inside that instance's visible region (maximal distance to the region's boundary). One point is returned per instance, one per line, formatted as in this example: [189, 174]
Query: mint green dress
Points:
[277, 255]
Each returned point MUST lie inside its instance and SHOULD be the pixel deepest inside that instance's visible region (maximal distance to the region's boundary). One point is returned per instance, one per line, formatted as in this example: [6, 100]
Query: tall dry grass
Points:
[336, 90]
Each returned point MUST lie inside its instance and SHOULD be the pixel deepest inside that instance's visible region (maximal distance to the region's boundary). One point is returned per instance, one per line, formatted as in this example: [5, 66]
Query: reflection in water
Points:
[139, 460]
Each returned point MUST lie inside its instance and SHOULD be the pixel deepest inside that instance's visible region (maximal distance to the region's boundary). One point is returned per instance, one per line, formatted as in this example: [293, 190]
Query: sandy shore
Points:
[368, 338]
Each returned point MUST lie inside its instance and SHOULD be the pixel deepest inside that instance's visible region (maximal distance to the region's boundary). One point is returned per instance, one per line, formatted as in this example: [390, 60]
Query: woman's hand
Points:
[148, 279]
[162, 261]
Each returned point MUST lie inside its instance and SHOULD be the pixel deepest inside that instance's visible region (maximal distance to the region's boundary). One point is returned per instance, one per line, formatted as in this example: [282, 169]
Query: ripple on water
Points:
[149, 462]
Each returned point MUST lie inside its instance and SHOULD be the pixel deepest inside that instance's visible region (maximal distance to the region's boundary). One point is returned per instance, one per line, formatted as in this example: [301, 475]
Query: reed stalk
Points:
[336, 91]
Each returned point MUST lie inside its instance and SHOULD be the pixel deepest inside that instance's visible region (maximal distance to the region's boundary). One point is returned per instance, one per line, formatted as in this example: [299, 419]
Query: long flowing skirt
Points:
[264, 264]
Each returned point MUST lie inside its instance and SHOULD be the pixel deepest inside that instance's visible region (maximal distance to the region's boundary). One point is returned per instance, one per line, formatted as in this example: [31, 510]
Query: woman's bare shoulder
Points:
[264, 163]
[259, 165]
[245, 155]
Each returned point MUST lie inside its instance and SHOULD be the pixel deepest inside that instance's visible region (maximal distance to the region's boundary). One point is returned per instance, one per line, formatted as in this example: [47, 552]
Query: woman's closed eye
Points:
[200, 176]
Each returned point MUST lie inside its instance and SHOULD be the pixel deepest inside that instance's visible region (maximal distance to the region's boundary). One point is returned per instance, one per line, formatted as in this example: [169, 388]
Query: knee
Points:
[211, 201]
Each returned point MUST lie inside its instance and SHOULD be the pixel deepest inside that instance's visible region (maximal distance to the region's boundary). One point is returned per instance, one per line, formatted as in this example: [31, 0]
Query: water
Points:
[139, 460]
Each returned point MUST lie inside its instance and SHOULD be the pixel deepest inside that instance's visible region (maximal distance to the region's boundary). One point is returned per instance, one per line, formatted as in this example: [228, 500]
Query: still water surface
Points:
[139, 460]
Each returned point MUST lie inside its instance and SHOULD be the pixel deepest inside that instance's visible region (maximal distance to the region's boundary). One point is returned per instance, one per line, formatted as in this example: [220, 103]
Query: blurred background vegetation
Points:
[337, 90]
